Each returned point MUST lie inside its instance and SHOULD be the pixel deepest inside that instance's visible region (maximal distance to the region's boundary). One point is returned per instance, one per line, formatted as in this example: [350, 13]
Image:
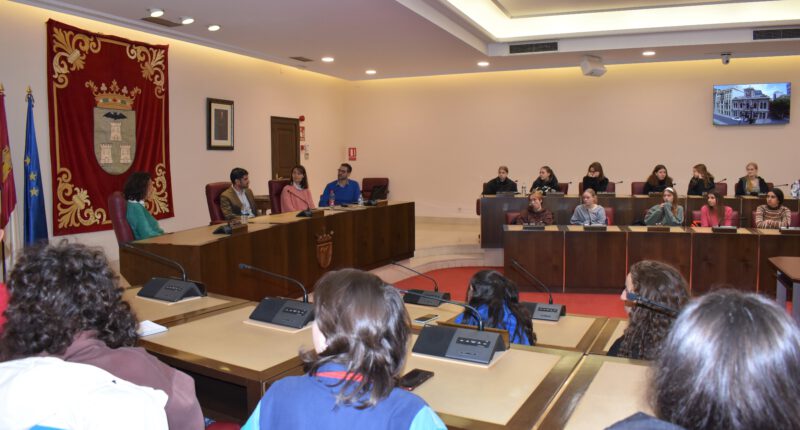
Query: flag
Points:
[35, 220]
[8, 194]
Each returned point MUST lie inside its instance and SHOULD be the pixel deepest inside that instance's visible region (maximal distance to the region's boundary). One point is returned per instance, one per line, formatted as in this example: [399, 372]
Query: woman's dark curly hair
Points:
[136, 186]
[58, 291]
[491, 288]
[647, 327]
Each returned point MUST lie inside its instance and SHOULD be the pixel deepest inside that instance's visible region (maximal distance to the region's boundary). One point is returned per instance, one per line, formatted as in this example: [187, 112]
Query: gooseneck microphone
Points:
[435, 284]
[633, 297]
[530, 276]
[167, 289]
[541, 311]
[425, 298]
[463, 305]
[278, 276]
[154, 256]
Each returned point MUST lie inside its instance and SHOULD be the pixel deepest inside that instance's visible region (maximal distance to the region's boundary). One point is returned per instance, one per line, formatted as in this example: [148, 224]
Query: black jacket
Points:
[742, 185]
[697, 187]
[598, 185]
[539, 184]
[495, 186]
[658, 188]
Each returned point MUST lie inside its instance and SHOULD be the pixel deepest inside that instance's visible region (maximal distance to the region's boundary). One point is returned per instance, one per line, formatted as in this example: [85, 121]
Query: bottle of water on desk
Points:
[331, 199]
[360, 200]
[796, 189]
[523, 190]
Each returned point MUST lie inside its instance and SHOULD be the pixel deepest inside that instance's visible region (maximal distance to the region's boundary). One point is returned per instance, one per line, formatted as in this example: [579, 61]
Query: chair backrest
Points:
[609, 215]
[367, 184]
[213, 190]
[118, 211]
[637, 188]
[563, 187]
[721, 188]
[611, 188]
[275, 189]
[511, 216]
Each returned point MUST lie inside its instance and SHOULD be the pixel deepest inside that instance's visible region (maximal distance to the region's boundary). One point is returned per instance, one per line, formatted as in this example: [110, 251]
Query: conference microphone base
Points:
[426, 298]
[285, 312]
[171, 289]
[545, 312]
[458, 343]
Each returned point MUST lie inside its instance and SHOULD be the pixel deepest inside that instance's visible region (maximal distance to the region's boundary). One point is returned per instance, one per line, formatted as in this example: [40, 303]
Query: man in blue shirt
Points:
[342, 190]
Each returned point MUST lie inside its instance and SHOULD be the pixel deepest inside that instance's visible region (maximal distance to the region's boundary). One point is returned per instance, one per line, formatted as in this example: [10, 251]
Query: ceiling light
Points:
[327, 59]
[483, 63]
[186, 20]
[649, 53]
[371, 72]
[213, 27]
[155, 13]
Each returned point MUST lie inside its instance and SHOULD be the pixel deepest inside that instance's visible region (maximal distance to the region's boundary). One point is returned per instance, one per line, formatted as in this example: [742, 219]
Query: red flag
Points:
[9, 196]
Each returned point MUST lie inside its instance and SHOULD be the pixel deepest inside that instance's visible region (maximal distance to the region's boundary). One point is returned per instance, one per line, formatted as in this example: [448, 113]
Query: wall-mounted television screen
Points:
[752, 104]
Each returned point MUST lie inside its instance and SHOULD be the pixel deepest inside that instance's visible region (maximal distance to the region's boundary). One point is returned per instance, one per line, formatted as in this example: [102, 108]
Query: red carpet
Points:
[455, 280]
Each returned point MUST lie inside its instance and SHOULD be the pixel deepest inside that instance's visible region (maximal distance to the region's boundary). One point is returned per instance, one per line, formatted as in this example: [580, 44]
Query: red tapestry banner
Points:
[109, 117]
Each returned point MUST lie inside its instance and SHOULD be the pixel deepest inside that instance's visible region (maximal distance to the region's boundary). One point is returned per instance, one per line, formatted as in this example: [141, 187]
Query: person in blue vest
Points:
[342, 190]
[360, 337]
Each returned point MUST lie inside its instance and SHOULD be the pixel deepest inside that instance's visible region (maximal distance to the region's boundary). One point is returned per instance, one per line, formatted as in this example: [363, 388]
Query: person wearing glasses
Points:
[342, 190]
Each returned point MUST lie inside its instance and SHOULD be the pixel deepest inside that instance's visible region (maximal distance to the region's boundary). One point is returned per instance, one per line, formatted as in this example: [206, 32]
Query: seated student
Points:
[667, 213]
[595, 179]
[296, 196]
[497, 300]
[342, 190]
[714, 213]
[536, 213]
[589, 212]
[773, 214]
[649, 325]
[138, 188]
[702, 181]
[66, 302]
[360, 336]
[751, 183]
[238, 200]
[658, 180]
[726, 365]
[546, 181]
[502, 183]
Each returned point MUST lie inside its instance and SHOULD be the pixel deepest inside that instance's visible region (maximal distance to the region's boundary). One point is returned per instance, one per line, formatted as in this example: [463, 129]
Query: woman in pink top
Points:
[715, 210]
[296, 196]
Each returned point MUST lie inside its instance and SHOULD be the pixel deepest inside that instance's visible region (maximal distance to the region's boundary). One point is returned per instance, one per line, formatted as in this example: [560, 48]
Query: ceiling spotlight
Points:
[483, 63]
[213, 27]
[155, 13]
[649, 53]
[327, 59]
[371, 72]
[186, 20]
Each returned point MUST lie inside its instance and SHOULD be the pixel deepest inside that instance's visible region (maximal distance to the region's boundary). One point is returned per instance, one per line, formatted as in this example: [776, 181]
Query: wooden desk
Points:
[606, 249]
[571, 333]
[602, 391]
[170, 314]
[295, 247]
[788, 276]
[541, 252]
[724, 259]
[771, 243]
[613, 329]
[668, 247]
[512, 393]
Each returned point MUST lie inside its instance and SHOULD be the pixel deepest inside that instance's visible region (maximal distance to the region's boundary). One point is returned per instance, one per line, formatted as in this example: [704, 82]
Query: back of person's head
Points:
[58, 291]
[135, 187]
[649, 326]
[731, 362]
[490, 288]
[238, 173]
[366, 328]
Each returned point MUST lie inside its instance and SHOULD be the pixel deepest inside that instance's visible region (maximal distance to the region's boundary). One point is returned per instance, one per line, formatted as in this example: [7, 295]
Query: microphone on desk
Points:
[425, 298]
[458, 343]
[280, 311]
[541, 311]
[167, 289]
[635, 298]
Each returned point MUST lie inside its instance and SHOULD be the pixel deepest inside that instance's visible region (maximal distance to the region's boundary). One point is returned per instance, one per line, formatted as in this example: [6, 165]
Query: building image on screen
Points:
[752, 104]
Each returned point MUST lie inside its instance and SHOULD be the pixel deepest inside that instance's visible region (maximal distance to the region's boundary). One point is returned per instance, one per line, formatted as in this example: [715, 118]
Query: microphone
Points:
[540, 311]
[618, 182]
[442, 300]
[285, 312]
[781, 185]
[425, 298]
[721, 181]
[633, 297]
[276, 275]
[167, 289]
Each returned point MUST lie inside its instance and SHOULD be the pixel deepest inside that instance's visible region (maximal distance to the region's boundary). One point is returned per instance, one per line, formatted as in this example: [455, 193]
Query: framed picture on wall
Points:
[219, 124]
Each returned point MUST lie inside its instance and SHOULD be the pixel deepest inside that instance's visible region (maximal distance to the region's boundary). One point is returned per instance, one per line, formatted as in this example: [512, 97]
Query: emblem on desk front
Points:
[325, 249]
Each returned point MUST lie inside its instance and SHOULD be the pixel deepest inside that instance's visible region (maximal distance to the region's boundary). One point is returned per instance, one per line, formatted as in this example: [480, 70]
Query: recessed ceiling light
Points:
[213, 27]
[371, 72]
[327, 59]
[155, 13]
[186, 20]
[649, 53]
[483, 63]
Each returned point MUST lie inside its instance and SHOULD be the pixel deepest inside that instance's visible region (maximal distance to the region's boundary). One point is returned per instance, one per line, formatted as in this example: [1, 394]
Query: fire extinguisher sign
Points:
[351, 154]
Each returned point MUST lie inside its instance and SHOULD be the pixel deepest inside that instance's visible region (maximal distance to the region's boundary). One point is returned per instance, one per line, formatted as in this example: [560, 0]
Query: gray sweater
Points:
[584, 216]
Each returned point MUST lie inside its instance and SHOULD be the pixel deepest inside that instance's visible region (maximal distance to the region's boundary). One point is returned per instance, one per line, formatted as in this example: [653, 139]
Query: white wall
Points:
[259, 89]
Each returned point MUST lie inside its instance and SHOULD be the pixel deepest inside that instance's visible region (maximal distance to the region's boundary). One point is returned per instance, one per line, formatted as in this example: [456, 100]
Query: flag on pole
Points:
[35, 220]
[8, 194]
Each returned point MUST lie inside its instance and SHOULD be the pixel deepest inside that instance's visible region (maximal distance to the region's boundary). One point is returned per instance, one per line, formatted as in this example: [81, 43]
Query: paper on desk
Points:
[147, 327]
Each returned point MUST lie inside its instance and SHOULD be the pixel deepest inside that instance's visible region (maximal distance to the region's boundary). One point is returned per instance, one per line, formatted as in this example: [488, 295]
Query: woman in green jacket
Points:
[138, 188]
[667, 213]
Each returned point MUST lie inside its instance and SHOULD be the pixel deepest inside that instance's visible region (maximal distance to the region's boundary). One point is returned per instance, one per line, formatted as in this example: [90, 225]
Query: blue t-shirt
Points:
[508, 322]
[344, 194]
[308, 402]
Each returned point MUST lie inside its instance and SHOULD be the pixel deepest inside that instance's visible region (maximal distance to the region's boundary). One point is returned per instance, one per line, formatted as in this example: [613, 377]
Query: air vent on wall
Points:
[303, 59]
[777, 33]
[162, 21]
[527, 48]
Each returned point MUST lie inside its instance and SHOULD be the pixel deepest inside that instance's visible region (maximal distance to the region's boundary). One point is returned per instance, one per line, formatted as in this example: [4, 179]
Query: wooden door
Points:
[285, 146]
